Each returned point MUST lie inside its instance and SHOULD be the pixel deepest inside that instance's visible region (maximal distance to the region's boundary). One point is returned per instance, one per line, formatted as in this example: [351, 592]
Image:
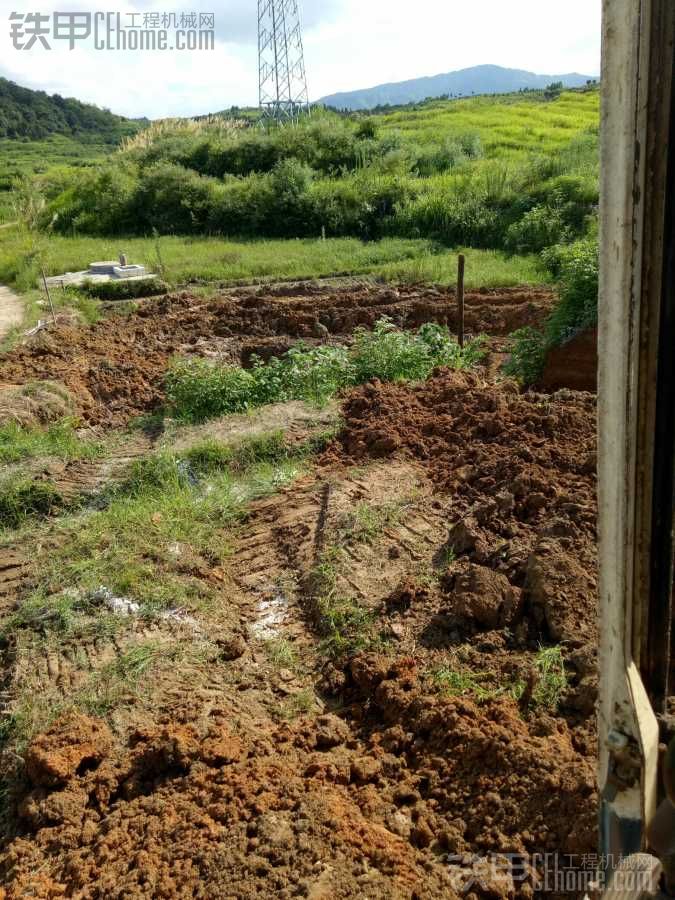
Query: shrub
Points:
[171, 198]
[455, 220]
[577, 307]
[537, 229]
[391, 355]
[96, 202]
[199, 390]
[366, 129]
[303, 373]
[527, 348]
[553, 90]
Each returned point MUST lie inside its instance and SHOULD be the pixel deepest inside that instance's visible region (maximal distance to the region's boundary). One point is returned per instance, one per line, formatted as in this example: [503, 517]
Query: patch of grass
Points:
[549, 685]
[22, 498]
[59, 439]
[299, 704]
[159, 526]
[552, 679]
[458, 683]
[345, 626]
[152, 475]
[366, 521]
[281, 653]
[109, 686]
[198, 390]
[44, 613]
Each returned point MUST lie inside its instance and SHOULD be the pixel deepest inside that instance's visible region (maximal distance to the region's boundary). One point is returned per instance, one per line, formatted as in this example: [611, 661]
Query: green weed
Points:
[344, 625]
[59, 439]
[281, 653]
[198, 390]
[549, 687]
[527, 348]
[552, 679]
[457, 683]
[119, 680]
[366, 521]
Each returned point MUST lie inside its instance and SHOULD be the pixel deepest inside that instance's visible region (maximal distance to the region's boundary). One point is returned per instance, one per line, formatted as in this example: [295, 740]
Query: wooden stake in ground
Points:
[460, 300]
[49, 296]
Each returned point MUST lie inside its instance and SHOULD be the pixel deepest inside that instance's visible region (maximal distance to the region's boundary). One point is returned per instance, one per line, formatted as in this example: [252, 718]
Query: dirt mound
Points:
[36, 403]
[115, 368]
[324, 807]
[573, 365]
[521, 472]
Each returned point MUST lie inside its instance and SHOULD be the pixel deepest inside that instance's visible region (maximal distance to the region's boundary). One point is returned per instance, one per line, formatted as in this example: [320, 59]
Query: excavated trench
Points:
[115, 368]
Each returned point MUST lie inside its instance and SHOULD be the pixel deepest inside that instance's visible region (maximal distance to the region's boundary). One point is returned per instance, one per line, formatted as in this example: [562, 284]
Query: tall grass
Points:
[202, 260]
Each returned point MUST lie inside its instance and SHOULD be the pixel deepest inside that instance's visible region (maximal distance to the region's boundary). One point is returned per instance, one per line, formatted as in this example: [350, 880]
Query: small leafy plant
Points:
[198, 390]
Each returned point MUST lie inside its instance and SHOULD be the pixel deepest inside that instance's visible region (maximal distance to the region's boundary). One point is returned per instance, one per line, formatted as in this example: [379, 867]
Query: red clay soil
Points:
[521, 471]
[573, 365]
[116, 367]
[392, 806]
[396, 793]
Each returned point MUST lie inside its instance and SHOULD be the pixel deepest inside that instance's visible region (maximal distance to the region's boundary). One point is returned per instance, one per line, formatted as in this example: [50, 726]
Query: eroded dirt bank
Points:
[115, 368]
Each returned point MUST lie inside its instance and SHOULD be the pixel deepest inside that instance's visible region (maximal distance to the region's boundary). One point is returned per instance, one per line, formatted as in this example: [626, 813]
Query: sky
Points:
[349, 44]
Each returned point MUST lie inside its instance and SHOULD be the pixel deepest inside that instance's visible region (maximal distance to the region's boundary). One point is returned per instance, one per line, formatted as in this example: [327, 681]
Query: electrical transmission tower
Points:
[283, 83]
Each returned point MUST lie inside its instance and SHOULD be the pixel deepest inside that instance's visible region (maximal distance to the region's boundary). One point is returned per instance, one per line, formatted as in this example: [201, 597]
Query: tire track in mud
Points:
[285, 537]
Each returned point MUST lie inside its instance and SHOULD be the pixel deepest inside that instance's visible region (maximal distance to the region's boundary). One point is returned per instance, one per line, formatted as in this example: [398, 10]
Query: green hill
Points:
[34, 115]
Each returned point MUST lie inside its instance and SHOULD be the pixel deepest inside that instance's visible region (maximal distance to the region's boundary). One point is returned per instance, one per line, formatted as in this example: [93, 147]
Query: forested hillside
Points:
[34, 115]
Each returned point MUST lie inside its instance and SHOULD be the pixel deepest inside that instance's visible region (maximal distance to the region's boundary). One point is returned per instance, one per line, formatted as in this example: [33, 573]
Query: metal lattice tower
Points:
[283, 83]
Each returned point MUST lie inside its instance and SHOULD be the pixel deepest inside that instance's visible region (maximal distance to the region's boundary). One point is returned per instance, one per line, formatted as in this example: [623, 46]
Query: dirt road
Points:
[11, 311]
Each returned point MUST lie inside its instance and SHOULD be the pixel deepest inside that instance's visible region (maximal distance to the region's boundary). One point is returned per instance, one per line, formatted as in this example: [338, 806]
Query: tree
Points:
[553, 90]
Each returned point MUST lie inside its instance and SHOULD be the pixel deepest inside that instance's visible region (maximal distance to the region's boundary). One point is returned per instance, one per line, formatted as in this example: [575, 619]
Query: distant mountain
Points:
[34, 114]
[462, 83]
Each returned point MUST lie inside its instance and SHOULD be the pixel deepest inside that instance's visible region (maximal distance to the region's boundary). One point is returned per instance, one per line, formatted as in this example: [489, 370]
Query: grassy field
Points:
[184, 260]
[509, 126]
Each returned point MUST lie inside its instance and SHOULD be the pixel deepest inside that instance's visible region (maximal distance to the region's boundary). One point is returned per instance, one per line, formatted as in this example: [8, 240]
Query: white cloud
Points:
[348, 44]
